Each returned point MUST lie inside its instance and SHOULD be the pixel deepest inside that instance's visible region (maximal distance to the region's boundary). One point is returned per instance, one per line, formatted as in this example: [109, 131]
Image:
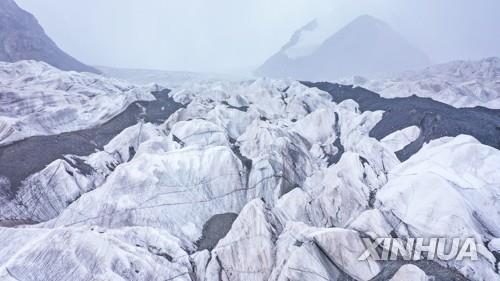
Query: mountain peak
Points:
[367, 19]
[366, 46]
[367, 23]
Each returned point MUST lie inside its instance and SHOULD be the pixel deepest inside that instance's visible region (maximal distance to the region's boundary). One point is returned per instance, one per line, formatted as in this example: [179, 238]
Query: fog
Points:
[237, 35]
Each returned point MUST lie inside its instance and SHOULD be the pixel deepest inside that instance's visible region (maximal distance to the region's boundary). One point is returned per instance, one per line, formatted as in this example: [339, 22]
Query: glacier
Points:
[242, 180]
[38, 99]
[457, 83]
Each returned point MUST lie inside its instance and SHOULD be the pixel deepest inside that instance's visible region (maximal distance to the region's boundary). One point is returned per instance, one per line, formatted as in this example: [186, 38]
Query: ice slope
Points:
[448, 189]
[399, 139]
[457, 83]
[38, 99]
[277, 180]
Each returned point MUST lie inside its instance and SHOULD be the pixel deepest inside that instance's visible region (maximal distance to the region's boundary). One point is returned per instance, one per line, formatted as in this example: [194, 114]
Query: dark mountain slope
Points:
[366, 46]
[22, 38]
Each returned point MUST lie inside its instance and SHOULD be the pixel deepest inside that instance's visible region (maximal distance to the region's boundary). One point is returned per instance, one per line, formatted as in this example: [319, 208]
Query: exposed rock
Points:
[215, 229]
[22, 38]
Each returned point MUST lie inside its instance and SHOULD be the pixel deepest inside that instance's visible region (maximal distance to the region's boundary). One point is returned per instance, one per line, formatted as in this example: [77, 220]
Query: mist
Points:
[238, 36]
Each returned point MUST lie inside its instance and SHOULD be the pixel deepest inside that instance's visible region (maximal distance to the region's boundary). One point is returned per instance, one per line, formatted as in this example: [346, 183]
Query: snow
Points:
[494, 245]
[457, 83]
[309, 39]
[45, 194]
[401, 138]
[88, 253]
[456, 182]
[177, 190]
[38, 99]
[372, 223]
[345, 247]
[410, 272]
[199, 132]
[256, 150]
[236, 255]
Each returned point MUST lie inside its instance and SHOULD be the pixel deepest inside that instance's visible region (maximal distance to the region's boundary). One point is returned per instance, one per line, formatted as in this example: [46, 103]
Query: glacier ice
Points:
[244, 167]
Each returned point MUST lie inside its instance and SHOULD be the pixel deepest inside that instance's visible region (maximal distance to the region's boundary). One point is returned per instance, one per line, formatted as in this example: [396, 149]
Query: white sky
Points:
[237, 35]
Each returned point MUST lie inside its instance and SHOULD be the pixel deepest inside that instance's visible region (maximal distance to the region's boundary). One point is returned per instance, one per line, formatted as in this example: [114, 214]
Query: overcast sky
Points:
[236, 35]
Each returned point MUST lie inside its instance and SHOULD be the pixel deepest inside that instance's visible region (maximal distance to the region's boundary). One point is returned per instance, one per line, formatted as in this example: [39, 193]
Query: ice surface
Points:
[260, 153]
[37, 99]
[457, 83]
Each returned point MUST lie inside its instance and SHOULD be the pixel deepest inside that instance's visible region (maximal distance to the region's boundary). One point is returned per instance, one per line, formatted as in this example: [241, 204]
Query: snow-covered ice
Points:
[38, 99]
[457, 83]
[259, 153]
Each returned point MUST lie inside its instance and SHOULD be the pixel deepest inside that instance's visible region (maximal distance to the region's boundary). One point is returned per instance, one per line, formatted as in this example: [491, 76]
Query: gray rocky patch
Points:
[215, 229]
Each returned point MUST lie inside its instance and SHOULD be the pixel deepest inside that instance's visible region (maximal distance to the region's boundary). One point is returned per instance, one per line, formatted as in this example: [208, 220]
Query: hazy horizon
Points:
[235, 36]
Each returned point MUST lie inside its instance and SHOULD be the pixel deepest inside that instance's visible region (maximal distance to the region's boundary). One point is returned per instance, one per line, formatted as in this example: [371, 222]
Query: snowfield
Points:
[38, 99]
[458, 83]
[255, 180]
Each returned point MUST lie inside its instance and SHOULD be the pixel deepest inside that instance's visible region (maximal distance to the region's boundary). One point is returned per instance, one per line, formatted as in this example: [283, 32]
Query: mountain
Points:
[227, 181]
[22, 38]
[457, 83]
[366, 46]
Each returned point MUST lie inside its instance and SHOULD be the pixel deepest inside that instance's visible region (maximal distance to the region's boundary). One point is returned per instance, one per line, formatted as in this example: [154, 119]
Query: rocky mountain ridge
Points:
[22, 38]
